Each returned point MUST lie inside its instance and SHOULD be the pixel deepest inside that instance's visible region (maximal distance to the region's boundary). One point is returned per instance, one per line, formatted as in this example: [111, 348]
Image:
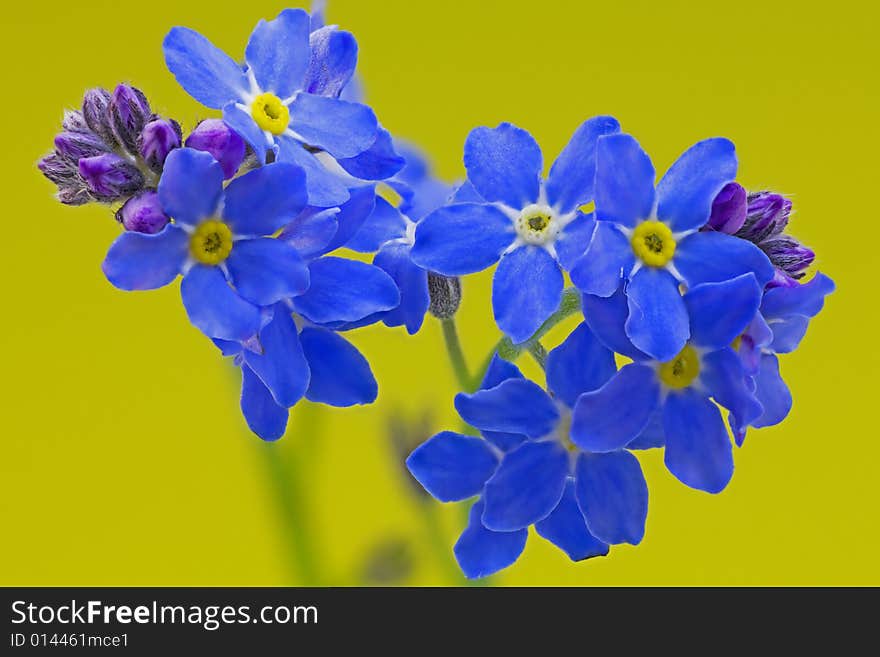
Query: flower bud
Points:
[76, 145]
[96, 113]
[110, 177]
[767, 215]
[74, 121]
[445, 295]
[158, 138]
[789, 255]
[129, 113]
[221, 141]
[74, 194]
[60, 170]
[142, 213]
[728, 209]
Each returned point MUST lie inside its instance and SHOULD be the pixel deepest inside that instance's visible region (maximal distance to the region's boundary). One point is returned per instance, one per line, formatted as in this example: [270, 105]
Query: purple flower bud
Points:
[129, 113]
[110, 177]
[728, 209]
[76, 145]
[143, 213]
[74, 194]
[767, 215]
[74, 121]
[58, 169]
[96, 112]
[221, 141]
[158, 138]
[789, 255]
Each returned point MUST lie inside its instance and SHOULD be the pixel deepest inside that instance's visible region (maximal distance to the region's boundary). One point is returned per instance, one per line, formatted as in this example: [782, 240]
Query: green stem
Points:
[539, 353]
[570, 304]
[456, 355]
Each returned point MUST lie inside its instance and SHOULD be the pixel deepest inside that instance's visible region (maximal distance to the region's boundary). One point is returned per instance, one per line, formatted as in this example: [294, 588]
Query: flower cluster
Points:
[690, 287]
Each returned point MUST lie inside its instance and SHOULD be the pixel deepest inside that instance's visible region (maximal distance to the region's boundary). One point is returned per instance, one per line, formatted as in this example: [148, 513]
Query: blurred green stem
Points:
[539, 353]
[456, 355]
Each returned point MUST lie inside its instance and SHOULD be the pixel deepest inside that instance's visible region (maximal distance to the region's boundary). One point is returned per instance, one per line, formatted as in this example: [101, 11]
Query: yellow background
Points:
[123, 457]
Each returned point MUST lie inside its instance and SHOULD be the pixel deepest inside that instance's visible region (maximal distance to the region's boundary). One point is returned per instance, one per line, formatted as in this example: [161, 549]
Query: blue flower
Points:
[389, 232]
[652, 403]
[531, 225]
[220, 240]
[652, 238]
[300, 352]
[285, 100]
[530, 466]
[778, 328]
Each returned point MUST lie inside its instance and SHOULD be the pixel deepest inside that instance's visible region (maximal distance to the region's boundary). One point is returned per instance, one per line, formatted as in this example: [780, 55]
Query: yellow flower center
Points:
[537, 225]
[211, 242]
[270, 113]
[681, 371]
[737, 343]
[652, 242]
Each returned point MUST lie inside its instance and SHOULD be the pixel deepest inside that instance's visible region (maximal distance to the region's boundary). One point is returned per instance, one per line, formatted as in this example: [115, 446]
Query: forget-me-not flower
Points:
[221, 241]
[530, 466]
[653, 403]
[651, 236]
[285, 98]
[533, 226]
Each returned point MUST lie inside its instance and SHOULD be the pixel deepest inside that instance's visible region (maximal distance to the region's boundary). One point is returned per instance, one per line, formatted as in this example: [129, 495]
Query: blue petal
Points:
[608, 257]
[282, 365]
[214, 308]
[384, 223]
[526, 290]
[452, 467]
[265, 199]
[607, 419]
[624, 181]
[526, 487]
[652, 435]
[504, 164]
[698, 450]
[278, 52]
[686, 192]
[658, 320]
[466, 193]
[341, 128]
[580, 364]
[136, 261]
[311, 232]
[613, 496]
[352, 215]
[574, 239]
[378, 162]
[712, 257]
[720, 312]
[462, 239]
[606, 317]
[344, 290]
[772, 392]
[333, 61]
[191, 185]
[566, 528]
[571, 182]
[498, 372]
[243, 123]
[326, 189]
[266, 270]
[206, 73]
[411, 280]
[806, 299]
[341, 375]
[722, 373]
[481, 552]
[788, 333]
[513, 406]
[264, 417]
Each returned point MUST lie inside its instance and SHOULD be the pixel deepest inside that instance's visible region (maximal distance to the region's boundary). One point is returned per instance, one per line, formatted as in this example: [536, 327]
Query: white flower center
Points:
[538, 225]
